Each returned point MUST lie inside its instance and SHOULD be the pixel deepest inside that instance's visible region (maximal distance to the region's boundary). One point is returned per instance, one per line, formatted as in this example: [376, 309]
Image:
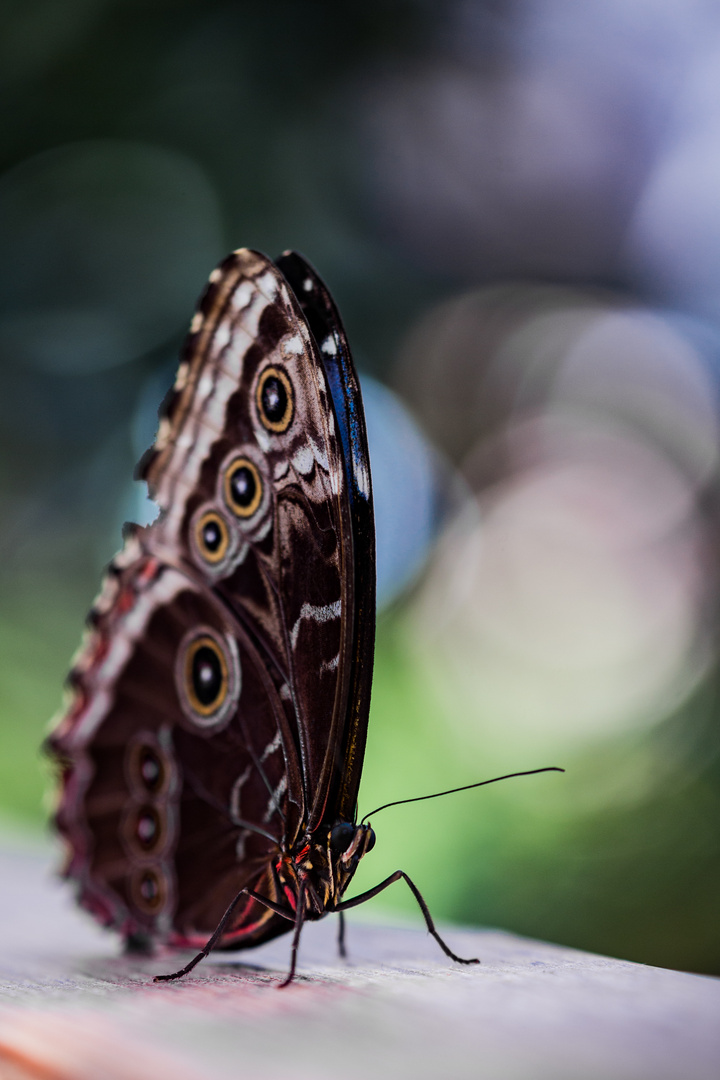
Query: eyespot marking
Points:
[149, 772]
[275, 400]
[212, 537]
[147, 829]
[149, 890]
[243, 487]
[208, 677]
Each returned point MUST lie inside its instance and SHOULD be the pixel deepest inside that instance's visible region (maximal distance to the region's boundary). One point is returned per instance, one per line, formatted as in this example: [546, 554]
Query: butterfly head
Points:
[325, 863]
[347, 843]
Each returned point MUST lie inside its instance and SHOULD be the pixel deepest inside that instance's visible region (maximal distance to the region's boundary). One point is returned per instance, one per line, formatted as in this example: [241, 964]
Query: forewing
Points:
[326, 327]
[249, 450]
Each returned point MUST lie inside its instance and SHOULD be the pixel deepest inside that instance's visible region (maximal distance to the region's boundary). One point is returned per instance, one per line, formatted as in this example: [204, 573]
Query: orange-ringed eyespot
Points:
[148, 827]
[150, 768]
[149, 771]
[243, 487]
[274, 398]
[212, 537]
[206, 675]
[149, 891]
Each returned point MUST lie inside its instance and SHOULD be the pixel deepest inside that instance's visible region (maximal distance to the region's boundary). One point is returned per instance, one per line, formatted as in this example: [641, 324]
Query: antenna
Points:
[465, 787]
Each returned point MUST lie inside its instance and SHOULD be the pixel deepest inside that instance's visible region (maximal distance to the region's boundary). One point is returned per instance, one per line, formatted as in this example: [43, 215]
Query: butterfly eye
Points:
[243, 487]
[212, 537]
[274, 398]
[370, 842]
[341, 836]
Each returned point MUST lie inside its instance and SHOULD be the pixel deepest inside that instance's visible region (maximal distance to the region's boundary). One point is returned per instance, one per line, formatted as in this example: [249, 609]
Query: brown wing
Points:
[326, 327]
[172, 802]
[248, 472]
[178, 756]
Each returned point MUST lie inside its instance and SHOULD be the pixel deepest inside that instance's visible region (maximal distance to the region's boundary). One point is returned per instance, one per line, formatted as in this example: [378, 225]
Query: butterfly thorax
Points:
[322, 866]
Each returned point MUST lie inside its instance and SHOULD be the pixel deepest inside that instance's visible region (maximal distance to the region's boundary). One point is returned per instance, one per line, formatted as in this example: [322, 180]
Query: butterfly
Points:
[211, 750]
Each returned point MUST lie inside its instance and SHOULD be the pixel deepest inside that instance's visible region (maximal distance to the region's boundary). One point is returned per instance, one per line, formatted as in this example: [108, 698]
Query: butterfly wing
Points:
[250, 447]
[246, 581]
[326, 327]
[178, 755]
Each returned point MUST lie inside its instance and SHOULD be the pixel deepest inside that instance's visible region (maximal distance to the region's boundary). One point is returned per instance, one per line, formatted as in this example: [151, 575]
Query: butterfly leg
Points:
[299, 920]
[345, 904]
[219, 930]
[341, 936]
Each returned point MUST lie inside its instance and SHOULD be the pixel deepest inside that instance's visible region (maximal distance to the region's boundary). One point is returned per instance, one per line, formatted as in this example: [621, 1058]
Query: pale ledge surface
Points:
[71, 1009]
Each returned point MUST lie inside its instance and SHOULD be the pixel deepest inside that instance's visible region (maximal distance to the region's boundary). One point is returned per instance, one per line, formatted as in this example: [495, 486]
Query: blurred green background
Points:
[515, 206]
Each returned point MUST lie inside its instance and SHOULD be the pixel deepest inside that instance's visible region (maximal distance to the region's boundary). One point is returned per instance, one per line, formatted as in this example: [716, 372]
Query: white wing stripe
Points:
[319, 613]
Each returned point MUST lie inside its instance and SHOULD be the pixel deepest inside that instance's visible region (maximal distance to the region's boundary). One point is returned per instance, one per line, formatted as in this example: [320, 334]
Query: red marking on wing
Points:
[301, 854]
